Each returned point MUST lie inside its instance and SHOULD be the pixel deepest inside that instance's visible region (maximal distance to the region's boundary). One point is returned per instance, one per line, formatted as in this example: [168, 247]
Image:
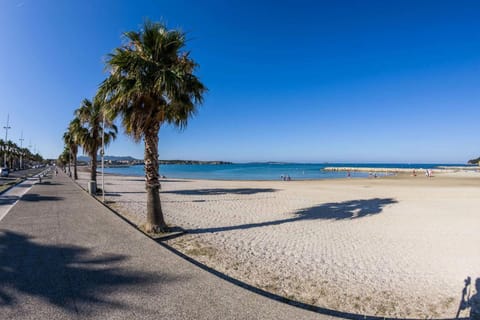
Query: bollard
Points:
[92, 187]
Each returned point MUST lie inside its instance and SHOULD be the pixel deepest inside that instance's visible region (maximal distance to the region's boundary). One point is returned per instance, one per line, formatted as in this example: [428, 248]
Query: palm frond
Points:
[151, 81]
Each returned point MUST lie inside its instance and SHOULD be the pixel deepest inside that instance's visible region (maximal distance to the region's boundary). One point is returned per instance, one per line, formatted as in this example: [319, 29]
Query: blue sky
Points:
[308, 81]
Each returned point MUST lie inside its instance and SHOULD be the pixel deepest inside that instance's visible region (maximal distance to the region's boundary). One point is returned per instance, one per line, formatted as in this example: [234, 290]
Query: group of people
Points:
[428, 173]
[285, 177]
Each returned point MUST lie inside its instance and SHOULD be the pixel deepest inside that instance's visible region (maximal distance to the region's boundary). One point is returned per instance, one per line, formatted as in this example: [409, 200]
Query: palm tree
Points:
[2, 149]
[11, 153]
[89, 134]
[152, 83]
[71, 138]
[63, 158]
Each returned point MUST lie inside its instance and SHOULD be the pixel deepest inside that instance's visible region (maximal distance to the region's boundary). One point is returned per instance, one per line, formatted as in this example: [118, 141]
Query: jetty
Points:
[386, 170]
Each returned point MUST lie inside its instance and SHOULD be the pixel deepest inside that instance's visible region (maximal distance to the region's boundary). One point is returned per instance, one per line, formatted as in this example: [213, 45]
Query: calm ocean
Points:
[262, 171]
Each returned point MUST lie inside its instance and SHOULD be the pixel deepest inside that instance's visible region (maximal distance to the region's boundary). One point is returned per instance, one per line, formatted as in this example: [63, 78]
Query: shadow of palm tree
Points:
[51, 183]
[220, 191]
[37, 197]
[345, 210]
[118, 194]
[64, 276]
[7, 200]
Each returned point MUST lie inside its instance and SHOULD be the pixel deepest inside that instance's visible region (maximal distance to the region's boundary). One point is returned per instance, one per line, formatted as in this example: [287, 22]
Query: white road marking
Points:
[10, 198]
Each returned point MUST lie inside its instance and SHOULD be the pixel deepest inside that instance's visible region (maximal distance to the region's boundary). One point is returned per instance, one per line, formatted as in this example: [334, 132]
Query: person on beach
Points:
[473, 302]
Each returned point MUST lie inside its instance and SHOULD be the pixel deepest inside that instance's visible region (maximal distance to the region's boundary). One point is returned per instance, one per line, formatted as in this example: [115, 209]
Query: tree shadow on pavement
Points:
[51, 183]
[7, 200]
[37, 197]
[220, 191]
[346, 210]
[65, 276]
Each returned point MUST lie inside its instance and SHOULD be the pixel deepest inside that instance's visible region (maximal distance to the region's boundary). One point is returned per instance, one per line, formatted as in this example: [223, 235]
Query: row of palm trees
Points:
[86, 130]
[16, 156]
[151, 83]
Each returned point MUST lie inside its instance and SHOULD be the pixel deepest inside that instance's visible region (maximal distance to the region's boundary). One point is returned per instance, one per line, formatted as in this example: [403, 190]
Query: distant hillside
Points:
[108, 158]
[132, 160]
[192, 162]
[474, 161]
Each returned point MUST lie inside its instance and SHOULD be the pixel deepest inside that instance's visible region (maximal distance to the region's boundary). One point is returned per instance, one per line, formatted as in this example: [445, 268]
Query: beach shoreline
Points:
[396, 246]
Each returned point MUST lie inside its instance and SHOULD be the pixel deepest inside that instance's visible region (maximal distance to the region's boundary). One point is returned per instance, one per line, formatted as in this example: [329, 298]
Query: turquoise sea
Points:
[263, 171]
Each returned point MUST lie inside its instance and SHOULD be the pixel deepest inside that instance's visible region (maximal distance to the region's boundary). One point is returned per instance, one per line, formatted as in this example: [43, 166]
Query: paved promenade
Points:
[64, 256]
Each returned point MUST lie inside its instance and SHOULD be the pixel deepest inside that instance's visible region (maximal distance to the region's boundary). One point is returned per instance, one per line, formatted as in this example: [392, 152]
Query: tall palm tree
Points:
[11, 153]
[2, 152]
[72, 138]
[68, 141]
[151, 82]
[63, 158]
[89, 134]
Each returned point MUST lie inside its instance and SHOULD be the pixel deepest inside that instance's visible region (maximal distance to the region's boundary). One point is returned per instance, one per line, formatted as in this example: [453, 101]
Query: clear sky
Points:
[308, 81]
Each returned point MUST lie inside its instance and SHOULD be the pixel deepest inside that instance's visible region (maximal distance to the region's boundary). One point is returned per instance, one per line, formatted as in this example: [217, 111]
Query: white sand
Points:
[396, 246]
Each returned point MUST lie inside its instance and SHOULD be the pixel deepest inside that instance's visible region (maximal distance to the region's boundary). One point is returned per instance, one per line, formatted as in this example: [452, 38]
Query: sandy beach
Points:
[393, 246]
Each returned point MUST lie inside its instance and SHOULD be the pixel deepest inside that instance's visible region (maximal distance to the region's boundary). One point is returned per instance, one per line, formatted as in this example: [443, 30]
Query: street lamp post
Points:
[103, 158]
[21, 151]
[6, 137]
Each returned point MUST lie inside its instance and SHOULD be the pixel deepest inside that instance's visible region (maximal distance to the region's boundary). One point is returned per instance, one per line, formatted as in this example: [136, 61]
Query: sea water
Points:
[263, 171]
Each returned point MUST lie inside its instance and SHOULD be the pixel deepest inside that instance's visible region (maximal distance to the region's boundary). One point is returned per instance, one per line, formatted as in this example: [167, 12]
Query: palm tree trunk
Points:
[93, 169]
[75, 175]
[155, 220]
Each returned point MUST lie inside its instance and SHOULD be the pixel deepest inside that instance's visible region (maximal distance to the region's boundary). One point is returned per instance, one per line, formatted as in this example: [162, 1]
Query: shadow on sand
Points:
[220, 191]
[353, 209]
[64, 276]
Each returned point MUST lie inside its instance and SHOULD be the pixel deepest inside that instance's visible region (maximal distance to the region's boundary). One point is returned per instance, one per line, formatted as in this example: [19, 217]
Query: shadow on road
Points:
[66, 276]
[7, 200]
[37, 197]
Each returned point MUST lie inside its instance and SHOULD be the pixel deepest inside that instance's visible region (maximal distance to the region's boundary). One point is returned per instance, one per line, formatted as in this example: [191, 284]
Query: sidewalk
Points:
[64, 256]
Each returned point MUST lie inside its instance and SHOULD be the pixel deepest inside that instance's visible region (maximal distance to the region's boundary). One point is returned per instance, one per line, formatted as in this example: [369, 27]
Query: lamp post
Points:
[6, 137]
[21, 151]
[103, 158]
